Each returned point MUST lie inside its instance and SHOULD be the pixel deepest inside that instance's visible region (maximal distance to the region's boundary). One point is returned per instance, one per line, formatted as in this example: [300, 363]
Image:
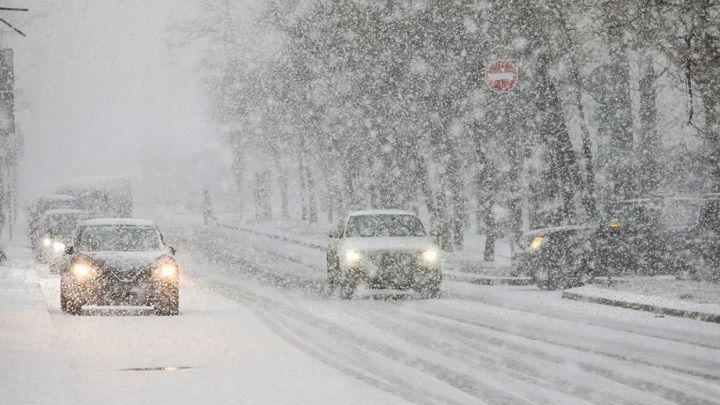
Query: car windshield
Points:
[681, 213]
[384, 225]
[122, 238]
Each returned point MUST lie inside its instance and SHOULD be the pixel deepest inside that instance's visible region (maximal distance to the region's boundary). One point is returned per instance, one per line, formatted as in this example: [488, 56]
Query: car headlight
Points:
[352, 257]
[168, 270]
[47, 242]
[536, 242]
[429, 256]
[82, 270]
[58, 247]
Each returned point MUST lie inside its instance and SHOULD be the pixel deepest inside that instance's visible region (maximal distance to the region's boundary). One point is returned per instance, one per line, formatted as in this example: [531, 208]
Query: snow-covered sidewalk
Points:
[663, 295]
[26, 335]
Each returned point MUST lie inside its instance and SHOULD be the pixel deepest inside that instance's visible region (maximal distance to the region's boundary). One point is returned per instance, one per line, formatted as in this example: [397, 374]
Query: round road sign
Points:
[501, 76]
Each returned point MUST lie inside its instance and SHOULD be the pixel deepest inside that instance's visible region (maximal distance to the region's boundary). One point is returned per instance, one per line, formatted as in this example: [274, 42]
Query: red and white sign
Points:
[501, 76]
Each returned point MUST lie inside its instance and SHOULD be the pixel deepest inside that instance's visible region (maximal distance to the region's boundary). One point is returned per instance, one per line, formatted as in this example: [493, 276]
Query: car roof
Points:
[381, 212]
[117, 221]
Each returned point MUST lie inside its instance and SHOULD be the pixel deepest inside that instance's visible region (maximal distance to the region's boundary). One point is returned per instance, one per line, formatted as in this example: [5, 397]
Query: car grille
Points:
[127, 274]
[388, 260]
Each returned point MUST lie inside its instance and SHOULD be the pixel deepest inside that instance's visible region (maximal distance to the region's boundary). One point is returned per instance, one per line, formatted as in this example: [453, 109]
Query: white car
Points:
[384, 249]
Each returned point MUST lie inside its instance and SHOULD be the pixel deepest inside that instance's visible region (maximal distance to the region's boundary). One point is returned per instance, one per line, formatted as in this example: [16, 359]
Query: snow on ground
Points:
[217, 351]
[495, 344]
[256, 327]
[669, 287]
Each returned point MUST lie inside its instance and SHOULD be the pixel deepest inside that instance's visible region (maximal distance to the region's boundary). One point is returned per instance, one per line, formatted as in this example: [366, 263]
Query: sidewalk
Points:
[664, 295]
[26, 340]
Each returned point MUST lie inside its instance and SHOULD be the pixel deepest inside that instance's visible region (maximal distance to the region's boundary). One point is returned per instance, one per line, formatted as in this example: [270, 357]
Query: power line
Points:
[11, 26]
[2, 8]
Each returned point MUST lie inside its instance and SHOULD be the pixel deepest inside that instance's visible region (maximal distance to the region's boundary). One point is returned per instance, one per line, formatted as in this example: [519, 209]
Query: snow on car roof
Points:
[381, 212]
[118, 221]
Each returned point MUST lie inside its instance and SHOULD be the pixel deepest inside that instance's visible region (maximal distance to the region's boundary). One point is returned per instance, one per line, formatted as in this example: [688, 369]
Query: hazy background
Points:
[102, 89]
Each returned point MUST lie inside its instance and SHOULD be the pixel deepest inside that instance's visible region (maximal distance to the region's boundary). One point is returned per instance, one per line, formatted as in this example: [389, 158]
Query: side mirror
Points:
[337, 232]
[172, 250]
[69, 250]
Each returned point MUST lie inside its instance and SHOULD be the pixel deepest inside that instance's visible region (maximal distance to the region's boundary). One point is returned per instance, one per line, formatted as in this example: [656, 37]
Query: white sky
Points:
[99, 91]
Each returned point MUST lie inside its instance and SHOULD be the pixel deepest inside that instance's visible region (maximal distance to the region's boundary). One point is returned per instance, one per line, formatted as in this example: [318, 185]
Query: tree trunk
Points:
[649, 144]
[303, 190]
[711, 101]
[589, 183]
[312, 197]
[620, 116]
[490, 231]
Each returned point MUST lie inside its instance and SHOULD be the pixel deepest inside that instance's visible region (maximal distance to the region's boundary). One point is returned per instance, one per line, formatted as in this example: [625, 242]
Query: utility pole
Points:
[9, 139]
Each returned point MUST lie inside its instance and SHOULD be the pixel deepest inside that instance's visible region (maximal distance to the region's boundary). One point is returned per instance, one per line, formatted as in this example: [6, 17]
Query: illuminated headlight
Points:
[168, 270]
[430, 256]
[352, 257]
[58, 247]
[47, 242]
[536, 242]
[82, 270]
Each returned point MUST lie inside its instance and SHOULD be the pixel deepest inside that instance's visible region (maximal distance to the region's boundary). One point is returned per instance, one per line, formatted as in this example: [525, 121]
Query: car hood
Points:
[124, 260]
[384, 244]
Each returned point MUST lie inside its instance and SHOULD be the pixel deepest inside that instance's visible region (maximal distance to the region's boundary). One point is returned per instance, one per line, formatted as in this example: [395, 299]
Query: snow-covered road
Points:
[245, 336]
[217, 351]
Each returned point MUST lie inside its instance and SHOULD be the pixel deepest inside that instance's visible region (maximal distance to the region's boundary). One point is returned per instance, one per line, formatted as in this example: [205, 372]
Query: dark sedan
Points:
[120, 262]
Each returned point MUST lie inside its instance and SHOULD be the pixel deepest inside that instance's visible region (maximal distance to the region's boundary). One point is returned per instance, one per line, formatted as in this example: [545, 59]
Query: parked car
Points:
[383, 249]
[55, 231]
[670, 235]
[692, 235]
[557, 257]
[120, 262]
[631, 238]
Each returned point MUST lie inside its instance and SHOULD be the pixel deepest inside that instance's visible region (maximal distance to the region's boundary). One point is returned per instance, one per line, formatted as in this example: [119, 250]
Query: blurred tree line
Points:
[383, 103]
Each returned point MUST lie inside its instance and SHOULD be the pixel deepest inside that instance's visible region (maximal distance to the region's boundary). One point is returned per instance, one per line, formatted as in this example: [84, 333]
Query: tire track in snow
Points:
[586, 349]
[626, 378]
[299, 283]
[318, 287]
[514, 368]
[306, 323]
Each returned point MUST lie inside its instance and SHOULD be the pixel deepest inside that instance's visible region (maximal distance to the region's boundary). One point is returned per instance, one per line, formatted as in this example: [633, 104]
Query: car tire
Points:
[347, 289]
[430, 291]
[169, 303]
[333, 273]
[68, 304]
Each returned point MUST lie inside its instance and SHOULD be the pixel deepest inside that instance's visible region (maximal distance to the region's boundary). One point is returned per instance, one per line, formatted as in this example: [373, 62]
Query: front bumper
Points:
[107, 290]
[393, 270]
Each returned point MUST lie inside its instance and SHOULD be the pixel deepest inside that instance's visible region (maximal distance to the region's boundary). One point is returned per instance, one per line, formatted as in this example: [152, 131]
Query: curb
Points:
[680, 313]
[479, 280]
[273, 236]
